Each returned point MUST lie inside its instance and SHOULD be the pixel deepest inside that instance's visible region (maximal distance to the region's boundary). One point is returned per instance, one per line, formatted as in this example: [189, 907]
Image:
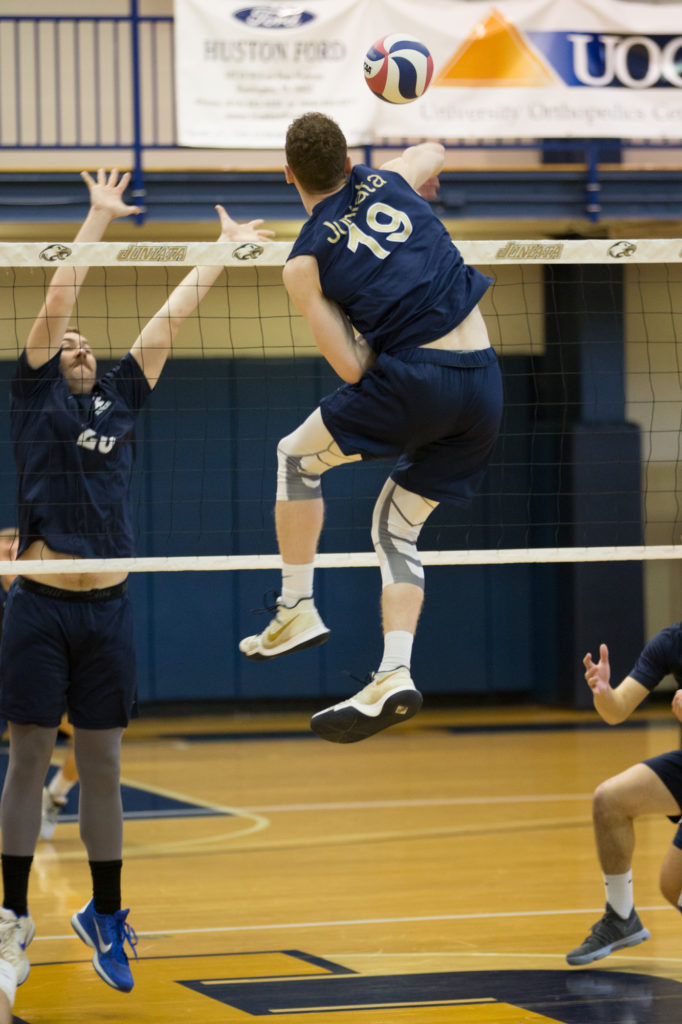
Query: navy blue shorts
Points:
[65, 650]
[438, 411]
[668, 767]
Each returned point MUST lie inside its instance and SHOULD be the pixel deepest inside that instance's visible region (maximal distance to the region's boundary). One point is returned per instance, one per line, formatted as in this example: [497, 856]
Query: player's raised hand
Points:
[598, 674]
[231, 231]
[106, 193]
[429, 190]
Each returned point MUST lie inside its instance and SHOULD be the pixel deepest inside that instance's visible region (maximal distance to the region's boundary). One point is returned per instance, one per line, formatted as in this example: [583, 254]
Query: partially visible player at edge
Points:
[653, 786]
[422, 385]
[67, 641]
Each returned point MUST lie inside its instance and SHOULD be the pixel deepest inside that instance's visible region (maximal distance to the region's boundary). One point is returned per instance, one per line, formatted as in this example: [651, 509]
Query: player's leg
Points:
[443, 410]
[102, 698]
[31, 748]
[62, 782]
[302, 458]
[101, 923]
[33, 677]
[389, 696]
[616, 804]
[671, 873]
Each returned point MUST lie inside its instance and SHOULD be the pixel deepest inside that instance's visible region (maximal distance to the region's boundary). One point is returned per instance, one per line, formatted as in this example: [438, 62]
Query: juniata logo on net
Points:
[54, 252]
[620, 249]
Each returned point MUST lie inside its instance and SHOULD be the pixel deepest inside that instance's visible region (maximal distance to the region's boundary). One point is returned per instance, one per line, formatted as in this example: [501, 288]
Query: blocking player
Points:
[67, 641]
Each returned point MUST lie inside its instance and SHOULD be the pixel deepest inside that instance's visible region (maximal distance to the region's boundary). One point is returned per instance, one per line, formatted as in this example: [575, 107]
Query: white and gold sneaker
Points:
[16, 934]
[388, 698]
[292, 629]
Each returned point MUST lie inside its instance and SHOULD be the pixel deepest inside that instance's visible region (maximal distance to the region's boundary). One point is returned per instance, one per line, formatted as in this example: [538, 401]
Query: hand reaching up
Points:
[231, 231]
[598, 675]
[106, 193]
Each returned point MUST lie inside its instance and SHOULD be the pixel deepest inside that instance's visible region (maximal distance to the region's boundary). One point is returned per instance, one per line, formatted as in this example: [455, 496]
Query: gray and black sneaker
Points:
[610, 933]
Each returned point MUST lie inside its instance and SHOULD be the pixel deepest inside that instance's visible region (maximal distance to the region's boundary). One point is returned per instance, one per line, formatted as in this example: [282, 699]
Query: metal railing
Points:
[108, 82]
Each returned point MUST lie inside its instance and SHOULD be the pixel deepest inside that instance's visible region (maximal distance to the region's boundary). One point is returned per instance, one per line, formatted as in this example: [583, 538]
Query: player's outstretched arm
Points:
[613, 704]
[347, 353]
[418, 164]
[154, 342]
[106, 204]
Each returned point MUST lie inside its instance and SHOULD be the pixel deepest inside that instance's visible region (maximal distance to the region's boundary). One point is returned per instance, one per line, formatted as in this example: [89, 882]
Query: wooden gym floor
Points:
[438, 872]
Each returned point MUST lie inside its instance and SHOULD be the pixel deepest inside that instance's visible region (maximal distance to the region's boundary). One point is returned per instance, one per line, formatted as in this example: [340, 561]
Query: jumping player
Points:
[422, 385]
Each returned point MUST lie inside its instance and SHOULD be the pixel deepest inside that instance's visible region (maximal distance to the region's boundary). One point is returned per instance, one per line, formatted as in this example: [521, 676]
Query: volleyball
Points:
[398, 68]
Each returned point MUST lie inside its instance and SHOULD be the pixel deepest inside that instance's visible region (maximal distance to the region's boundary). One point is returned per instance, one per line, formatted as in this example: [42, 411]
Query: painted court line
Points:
[464, 801]
[221, 929]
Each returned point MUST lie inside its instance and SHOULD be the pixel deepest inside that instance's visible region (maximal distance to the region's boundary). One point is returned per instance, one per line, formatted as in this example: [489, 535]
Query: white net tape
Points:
[273, 254]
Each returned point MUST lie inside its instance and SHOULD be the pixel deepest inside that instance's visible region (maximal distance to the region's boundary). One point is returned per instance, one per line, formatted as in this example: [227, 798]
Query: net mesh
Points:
[587, 463]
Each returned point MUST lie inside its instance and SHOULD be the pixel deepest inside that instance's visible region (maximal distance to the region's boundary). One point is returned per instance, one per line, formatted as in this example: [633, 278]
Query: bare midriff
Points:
[38, 550]
[469, 336]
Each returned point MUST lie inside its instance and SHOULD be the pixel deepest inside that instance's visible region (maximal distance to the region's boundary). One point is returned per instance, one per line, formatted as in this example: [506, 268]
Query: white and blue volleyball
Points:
[398, 68]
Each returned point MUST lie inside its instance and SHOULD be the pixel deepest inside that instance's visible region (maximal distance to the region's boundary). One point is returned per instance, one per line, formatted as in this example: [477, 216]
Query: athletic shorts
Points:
[438, 411]
[64, 650]
[668, 767]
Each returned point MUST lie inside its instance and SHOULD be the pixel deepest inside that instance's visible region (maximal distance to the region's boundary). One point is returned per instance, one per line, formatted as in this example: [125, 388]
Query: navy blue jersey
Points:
[74, 456]
[389, 263]
[662, 656]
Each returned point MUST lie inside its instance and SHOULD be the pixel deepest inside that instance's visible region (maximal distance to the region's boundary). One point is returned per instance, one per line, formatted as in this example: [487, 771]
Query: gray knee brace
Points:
[396, 524]
[297, 479]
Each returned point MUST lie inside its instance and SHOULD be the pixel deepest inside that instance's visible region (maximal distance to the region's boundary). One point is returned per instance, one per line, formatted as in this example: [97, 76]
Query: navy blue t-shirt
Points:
[388, 261]
[74, 457]
[662, 656]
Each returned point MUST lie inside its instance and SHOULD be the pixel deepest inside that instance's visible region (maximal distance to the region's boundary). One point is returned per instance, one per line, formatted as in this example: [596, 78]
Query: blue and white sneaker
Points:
[106, 933]
[15, 935]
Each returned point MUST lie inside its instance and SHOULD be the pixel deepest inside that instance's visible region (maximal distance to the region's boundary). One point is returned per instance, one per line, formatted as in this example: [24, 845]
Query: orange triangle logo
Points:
[494, 55]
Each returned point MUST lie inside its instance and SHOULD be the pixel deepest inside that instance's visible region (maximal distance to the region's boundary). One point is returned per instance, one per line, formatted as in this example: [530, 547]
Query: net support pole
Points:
[138, 190]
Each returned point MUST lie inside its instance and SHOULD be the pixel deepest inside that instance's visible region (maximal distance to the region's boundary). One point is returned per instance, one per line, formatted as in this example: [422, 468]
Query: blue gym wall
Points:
[205, 484]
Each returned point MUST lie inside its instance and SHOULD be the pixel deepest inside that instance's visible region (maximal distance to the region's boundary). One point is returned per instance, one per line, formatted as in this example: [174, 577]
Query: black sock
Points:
[15, 872]
[106, 885]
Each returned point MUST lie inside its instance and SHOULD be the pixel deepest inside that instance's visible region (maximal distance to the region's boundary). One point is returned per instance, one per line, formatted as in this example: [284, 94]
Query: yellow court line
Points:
[258, 822]
[458, 801]
[382, 1006]
[171, 794]
[342, 839]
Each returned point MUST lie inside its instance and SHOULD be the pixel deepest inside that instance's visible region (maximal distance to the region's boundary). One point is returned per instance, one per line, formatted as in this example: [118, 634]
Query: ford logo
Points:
[273, 17]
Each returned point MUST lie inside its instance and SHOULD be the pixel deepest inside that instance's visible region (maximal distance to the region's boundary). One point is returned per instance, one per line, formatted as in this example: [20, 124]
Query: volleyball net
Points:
[587, 466]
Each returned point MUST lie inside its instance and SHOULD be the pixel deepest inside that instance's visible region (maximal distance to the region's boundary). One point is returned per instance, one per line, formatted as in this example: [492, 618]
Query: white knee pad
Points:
[396, 524]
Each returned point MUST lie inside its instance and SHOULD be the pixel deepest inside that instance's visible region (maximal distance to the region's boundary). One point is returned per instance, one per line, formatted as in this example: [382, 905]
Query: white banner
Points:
[518, 68]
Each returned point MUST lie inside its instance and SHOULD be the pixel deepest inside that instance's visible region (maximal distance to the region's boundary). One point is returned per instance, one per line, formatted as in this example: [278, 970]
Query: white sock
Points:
[59, 785]
[8, 981]
[297, 583]
[619, 893]
[397, 650]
